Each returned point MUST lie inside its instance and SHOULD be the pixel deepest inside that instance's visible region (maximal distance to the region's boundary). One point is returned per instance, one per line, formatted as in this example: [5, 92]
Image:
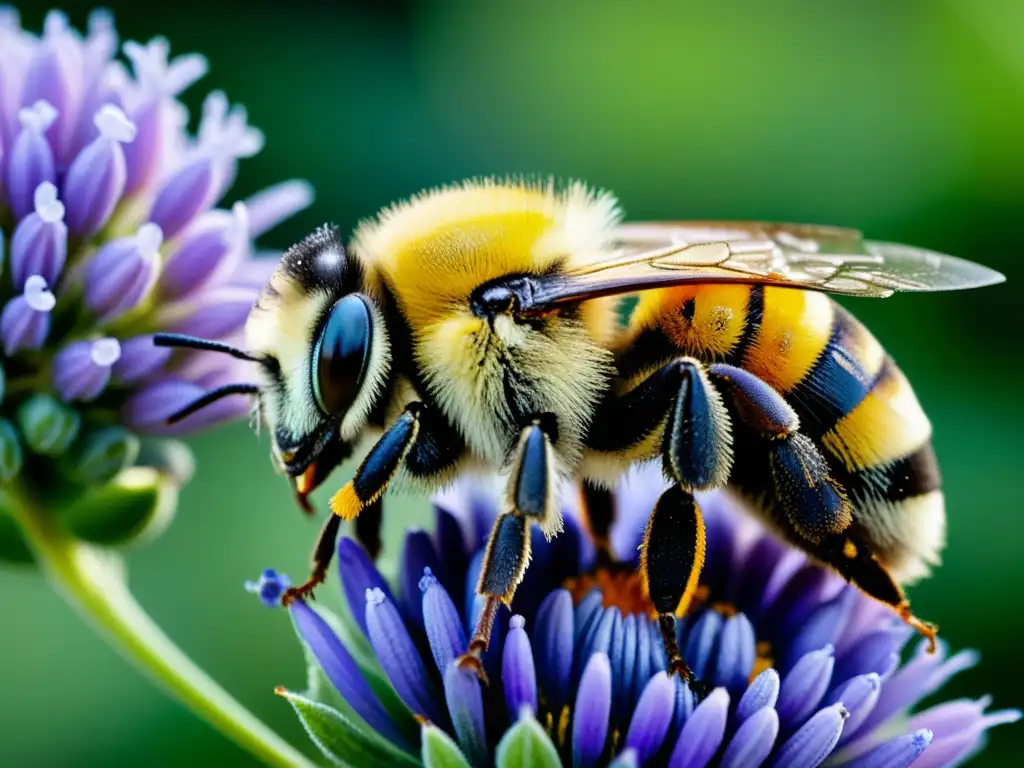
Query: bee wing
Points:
[807, 256]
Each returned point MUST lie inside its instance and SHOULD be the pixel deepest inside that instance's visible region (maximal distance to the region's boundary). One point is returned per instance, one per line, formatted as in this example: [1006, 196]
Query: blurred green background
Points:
[903, 119]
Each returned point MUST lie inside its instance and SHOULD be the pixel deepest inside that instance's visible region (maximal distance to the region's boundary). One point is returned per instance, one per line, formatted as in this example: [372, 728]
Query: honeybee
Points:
[476, 325]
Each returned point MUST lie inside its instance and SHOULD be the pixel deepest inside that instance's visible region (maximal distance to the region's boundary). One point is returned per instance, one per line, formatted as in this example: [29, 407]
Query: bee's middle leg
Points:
[531, 497]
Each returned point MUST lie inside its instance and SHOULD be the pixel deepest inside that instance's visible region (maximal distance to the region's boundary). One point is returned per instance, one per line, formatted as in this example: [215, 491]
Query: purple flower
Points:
[797, 667]
[112, 235]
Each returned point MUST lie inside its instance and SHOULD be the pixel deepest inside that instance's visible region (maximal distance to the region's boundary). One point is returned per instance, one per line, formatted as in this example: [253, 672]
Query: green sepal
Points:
[48, 425]
[134, 507]
[172, 457]
[11, 457]
[439, 750]
[526, 743]
[340, 739]
[99, 455]
[13, 548]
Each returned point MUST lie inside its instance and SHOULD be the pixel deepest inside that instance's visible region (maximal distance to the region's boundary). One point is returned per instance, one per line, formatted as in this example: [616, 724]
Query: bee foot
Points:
[471, 660]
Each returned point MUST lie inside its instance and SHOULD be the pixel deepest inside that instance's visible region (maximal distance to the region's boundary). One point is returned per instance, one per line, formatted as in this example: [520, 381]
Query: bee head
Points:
[320, 340]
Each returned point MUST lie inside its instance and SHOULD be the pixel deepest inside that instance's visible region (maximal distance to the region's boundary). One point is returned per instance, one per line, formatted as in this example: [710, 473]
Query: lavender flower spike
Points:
[211, 247]
[30, 160]
[25, 321]
[40, 242]
[122, 272]
[97, 176]
[82, 369]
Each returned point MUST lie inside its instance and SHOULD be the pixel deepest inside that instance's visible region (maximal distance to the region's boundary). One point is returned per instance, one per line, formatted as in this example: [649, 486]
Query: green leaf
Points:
[136, 506]
[172, 457]
[526, 744]
[440, 751]
[13, 548]
[341, 740]
[11, 458]
[48, 425]
[99, 455]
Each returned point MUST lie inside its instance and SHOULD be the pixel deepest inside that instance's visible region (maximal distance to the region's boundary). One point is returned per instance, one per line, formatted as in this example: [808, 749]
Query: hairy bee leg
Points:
[599, 514]
[671, 560]
[816, 505]
[368, 528]
[323, 553]
[531, 498]
[380, 465]
[852, 557]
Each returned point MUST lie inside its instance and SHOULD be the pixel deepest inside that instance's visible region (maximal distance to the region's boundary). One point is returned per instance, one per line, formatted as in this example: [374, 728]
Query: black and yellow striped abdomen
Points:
[852, 400]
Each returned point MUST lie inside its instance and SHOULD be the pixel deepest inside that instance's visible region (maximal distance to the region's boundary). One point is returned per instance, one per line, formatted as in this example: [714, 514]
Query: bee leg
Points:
[815, 505]
[531, 498]
[599, 514]
[671, 560]
[323, 553]
[852, 557]
[368, 527]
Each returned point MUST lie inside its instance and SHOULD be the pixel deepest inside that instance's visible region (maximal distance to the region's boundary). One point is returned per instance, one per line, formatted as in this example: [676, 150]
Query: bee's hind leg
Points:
[531, 498]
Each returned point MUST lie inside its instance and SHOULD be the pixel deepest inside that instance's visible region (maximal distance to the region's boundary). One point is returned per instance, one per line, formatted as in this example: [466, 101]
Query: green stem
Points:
[93, 581]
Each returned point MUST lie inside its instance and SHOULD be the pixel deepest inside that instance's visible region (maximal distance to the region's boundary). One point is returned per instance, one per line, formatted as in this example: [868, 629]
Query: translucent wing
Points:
[831, 259]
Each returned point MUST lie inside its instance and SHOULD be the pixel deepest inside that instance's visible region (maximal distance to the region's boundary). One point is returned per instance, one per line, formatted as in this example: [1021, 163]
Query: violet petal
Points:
[763, 691]
[40, 242]
[270, 206]
[652, 717]
[900, 752]
[804, 686]
[734, 658]
[809, 746]
[140, 359]
[466, 707]
[417, 556]
[553, 647]
[96, 178]
[81, 370]
[29, 162]
[25, 320]
[518, 675]
[215, 313]
[121, 273]
[442, 622]
[703, 733]
[753, 741]
[184, 196]
[591, 712]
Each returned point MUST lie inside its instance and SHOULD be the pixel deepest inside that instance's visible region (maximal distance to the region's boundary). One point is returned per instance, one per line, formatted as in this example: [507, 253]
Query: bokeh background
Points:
[903, 119]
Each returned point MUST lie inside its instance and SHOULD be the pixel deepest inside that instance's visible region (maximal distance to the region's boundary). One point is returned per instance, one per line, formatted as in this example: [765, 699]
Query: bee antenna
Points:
[180, 341]
[212, 397]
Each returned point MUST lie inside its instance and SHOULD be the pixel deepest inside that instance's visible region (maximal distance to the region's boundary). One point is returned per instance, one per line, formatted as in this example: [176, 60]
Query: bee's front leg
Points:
[531, 498]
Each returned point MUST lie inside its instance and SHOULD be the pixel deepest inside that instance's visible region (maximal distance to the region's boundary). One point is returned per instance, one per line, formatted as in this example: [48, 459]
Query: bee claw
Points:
[471, 660]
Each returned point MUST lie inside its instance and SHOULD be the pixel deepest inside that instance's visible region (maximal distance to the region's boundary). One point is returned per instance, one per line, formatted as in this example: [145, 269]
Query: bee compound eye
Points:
[342, 354]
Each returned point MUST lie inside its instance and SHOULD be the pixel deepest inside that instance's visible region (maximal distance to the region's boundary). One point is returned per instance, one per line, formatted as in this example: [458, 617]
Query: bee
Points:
[477, 326]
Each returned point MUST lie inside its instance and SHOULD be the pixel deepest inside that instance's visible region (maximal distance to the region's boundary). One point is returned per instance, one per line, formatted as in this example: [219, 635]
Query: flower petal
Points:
[652, 717]
[734, 658]
[809, 746]
[518, 675]
[701, 641]
[442, 622]
[591, 712]
[703, 733]
[753, 741]
[763, 691]
[466, 707]
[553, 647]
[900, 752]
[804, 686]
[859, 696]
[358, 575]
[417, 556]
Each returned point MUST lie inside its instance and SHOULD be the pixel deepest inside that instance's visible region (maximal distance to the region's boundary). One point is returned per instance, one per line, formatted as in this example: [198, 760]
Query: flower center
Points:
[620, 587]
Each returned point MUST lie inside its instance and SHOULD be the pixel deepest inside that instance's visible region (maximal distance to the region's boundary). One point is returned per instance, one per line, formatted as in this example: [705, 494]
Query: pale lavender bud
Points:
[40, 242]
[215, 313]
[184, 196]
[142, 156]
[121, 274]
[211, 248]
[81, 370]
[55, 75]
[30, 160]
[25, 321]
[225, 135]
[97, 177]
[271, 206]
[140, 359]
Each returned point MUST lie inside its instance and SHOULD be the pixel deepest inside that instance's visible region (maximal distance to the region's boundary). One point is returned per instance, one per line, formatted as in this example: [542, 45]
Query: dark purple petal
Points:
[147, 410]
[40, 242]
[122, 273]
[656, 649]
[808, 747]
[597, 640]
[734, 659]
[140, 359]
[757, 563]
[587, 612]
[591, 712]
[96, 178]
[553, 647]
[269, 587]
[623, 661]
[900, 752]
[643, 670]
[470, 596]
[466, 707]
[701, 641]
[826, 623]
[753, 742]
[652, 717]
[210, 250]
[859, 696]
[29, 162]
[441, 621]
[703, 733]
[518, 675]
[341, 669]
[397, 654]
[215, 313]
[877, 652]
[451, 546]
[275, 204]
[686, 702]
[184, 196]
[54, 75]
[763, 691]
[81, 370]
[25, 321]
[417, 556]
[804, 686]
[798, 597]
[358, 576]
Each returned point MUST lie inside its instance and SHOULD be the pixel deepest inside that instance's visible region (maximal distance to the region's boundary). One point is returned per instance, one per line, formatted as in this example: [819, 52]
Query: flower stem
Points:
[93, 581]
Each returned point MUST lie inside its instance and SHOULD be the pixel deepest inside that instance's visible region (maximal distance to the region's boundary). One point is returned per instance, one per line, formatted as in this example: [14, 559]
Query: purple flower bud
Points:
[653, 715]
[214, 314]
[142, 156]
[808, 747]
[703, 733]
[900, 752]
[441, 621]
[398, 656]
[466, 707]
[121, 274]
[269, 587]
[30, 161]
[518, 676]
[593, 706]
[418, 556]
[225, 135]
[734, 658]
[25, 321]
[804, 686]
[753, 741]
[700, 643]
[210, 249]
[146, 412]
[97, 176]
[140, 359]
[275, 204]
[763, 691]
[859, 696]
[54, 75]
[81, 370]
[184, 196]
[40, 242]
